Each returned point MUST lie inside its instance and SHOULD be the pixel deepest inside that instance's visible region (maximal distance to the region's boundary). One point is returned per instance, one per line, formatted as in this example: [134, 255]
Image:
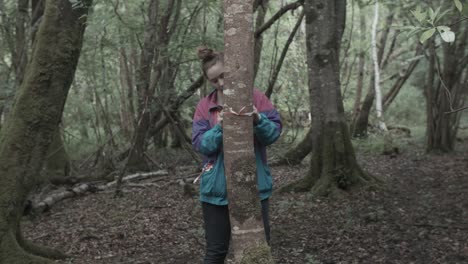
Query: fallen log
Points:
[83, 188]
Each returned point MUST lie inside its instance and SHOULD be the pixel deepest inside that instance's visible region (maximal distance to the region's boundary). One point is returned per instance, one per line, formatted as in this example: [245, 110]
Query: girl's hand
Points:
[256, 115]
[220, 117]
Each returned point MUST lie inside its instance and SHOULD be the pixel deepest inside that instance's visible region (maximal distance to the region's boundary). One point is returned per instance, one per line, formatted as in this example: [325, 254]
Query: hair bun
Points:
[205, 53]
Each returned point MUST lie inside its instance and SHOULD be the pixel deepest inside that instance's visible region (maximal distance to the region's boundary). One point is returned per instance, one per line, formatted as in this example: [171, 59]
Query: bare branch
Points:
[283, 56]
[277, 16]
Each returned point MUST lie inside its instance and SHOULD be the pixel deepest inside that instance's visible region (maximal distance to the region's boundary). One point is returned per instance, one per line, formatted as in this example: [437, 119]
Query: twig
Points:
[459, 21]
[457, 110]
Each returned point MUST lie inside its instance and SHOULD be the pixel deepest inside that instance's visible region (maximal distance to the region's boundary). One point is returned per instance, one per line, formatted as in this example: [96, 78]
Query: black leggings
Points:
[218, 230]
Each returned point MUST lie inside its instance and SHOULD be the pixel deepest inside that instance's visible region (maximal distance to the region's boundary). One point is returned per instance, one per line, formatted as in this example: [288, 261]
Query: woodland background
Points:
[132, 98]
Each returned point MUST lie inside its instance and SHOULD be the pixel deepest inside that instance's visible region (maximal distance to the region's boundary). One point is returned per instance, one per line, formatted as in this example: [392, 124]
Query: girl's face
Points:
[215, 75]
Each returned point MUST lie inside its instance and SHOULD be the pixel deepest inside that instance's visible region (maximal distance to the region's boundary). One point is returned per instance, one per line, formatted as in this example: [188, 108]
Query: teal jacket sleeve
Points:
[267, 130]
[211, 141]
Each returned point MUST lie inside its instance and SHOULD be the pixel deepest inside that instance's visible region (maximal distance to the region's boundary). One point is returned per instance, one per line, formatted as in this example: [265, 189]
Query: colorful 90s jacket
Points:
[207, 139]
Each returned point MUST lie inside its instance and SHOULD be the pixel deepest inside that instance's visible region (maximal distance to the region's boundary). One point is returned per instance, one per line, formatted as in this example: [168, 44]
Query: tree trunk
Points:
[378, 92]
[37, 111]
[362, 62]
[248, 240]
[333, 163]
[136, 160]
[361, 122]
[446, 94]
[127, 121]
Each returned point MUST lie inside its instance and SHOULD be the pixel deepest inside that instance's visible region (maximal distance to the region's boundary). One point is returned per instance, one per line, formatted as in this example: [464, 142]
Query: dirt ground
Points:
[420, 215]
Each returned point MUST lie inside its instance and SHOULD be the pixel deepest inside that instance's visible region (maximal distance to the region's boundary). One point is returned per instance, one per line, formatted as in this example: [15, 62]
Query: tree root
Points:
[12, 253]
[302, 185]
[38, 250]
[43, 251]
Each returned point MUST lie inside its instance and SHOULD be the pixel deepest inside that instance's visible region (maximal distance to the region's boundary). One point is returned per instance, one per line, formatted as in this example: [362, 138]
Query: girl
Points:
[207, 138]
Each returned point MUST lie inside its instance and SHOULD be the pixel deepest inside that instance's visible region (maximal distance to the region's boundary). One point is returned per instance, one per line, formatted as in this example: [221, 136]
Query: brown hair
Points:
[209, 58]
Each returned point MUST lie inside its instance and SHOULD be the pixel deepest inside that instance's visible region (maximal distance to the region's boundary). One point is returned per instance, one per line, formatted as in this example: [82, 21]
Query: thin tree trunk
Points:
[430, 96]
[362, 62]
[378, 91]
[37, 111]
[126, 84]
[361, 122]
[247, 232]
[136, 159]
[393, 92]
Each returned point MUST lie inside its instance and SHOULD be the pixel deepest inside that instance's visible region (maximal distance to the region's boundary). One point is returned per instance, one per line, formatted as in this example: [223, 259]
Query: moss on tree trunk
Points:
[26, 136]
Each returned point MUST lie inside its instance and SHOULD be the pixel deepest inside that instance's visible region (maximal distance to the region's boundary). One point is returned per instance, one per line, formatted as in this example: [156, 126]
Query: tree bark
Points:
[21, 41]
[248, 241]
[333, 163]
[37, 111]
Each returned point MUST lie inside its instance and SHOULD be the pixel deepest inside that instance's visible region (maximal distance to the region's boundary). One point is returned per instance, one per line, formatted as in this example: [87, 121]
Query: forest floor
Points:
[420, 215]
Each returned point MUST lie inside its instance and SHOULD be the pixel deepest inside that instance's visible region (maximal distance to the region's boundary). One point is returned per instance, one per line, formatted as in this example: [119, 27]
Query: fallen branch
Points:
[137, 176]
[51, 200]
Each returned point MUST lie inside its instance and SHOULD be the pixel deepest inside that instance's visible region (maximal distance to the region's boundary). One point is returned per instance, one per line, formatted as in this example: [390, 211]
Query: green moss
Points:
[258, 255]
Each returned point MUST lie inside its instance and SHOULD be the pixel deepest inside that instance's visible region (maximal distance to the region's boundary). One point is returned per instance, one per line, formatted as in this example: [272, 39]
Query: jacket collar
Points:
[213, 100]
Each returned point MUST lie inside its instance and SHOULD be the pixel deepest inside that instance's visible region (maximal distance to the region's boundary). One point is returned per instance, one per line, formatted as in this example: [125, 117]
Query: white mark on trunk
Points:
[240, 143]
[229, 92]
[245, 231]
[249, 19]
[231, 32]
[238, 151]
[235, 9]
